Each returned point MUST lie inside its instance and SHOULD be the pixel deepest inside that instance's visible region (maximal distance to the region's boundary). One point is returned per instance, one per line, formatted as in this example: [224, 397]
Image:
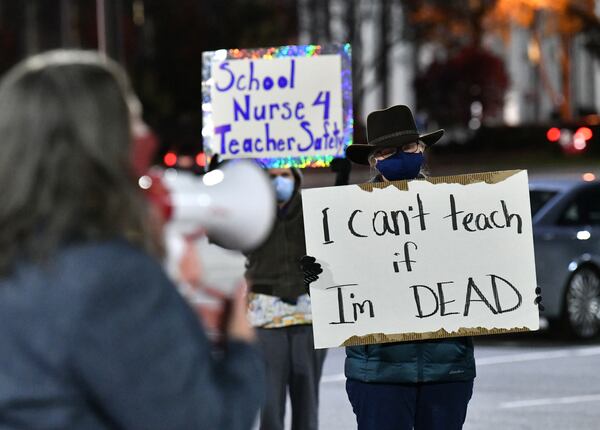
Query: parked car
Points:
[566, 231]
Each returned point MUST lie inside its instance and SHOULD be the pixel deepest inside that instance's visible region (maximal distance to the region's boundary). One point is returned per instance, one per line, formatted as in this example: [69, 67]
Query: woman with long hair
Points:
[92, 333]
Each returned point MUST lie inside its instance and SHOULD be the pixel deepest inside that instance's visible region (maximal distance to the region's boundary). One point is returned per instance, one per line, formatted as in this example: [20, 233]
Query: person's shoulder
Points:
[113, 251]
[110, 258]
[110, 271]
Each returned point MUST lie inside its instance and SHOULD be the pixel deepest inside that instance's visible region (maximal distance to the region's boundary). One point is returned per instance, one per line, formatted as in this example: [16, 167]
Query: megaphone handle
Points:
[225, 317]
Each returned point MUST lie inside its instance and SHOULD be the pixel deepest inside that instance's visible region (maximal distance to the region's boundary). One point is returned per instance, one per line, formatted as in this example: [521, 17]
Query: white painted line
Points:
[550, 401]
[536, 356]
[526, 356]
[340, 377]
[589, 351]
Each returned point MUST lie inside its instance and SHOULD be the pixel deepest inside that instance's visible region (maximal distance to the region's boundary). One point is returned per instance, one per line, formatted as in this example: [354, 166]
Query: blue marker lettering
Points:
[224, 66]
[253, 80]
[287, 111]
[233, 146]
[267, 83]
[222, 130]
[245, 113]
[290, 142]
[318, 143]
[299, 107]
[259, 116]
[270, 142]
[323, 99]
[305, 125]
[247, 145]
[238, 85]
[271, 107]
[337, 137]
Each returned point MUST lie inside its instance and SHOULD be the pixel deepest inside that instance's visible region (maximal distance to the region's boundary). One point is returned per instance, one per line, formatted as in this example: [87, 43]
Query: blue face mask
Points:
[402, 165]
[284, 188]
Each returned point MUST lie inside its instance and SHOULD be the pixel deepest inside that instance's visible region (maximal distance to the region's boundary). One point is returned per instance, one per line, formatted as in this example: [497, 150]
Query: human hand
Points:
[214, 163]
[538, 298]
[237, 325]
[190, 267]
[311, 270]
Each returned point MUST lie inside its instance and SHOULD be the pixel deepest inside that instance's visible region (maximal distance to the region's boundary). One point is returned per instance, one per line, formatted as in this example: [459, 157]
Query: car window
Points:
[572, 215]
[538, 198]
[593, 207]
[584, 209]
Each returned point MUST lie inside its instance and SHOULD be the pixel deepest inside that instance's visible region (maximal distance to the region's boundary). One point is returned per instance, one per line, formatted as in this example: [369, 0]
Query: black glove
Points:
[311, 269]
[538, 298]
[215, 163]
[342, 167]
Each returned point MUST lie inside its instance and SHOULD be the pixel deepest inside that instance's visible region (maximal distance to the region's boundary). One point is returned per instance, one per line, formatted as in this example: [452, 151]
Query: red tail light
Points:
[170, 159]
[553, 134]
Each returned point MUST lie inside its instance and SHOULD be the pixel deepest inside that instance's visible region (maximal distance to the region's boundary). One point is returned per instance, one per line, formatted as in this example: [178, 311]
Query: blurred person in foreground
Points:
[425, 385]
[92, 333]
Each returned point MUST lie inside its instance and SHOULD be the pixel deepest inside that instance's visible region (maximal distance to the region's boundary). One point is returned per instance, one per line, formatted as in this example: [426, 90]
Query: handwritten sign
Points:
[287, 106]
[443, 257]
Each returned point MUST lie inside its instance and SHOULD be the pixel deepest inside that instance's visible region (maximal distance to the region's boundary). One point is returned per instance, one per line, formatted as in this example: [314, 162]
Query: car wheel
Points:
[582, 303]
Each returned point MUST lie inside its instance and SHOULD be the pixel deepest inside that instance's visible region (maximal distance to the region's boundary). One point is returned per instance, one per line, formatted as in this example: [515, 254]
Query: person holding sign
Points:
[280, 309]
[423, 385]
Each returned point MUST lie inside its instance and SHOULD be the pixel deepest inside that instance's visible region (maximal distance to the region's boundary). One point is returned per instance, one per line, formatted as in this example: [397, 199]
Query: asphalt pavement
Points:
[526, 381]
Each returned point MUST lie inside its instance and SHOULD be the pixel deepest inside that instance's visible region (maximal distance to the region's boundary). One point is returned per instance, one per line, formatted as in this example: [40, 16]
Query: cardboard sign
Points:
[288, 107]
[402, 261]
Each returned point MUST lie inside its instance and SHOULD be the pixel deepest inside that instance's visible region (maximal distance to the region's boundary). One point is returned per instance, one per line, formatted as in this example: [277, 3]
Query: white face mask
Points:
[284, 188]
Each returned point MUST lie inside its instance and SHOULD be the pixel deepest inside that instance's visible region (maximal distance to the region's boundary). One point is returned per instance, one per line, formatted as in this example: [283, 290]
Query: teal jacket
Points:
[443, 360]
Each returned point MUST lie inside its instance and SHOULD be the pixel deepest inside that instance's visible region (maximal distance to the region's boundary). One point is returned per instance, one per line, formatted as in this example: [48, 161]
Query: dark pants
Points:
[292, 364]
[431, 406]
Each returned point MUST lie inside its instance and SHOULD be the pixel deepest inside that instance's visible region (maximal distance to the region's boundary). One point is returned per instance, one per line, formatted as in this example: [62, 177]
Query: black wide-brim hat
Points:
[389, 128]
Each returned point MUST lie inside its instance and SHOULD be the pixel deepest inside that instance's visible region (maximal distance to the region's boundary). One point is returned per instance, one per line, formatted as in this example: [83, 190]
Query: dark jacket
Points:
[274, 268]
[99, 338]
[441, 360]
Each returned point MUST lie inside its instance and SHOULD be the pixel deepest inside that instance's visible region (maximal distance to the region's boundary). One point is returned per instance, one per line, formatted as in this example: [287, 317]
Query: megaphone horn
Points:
[235, 205]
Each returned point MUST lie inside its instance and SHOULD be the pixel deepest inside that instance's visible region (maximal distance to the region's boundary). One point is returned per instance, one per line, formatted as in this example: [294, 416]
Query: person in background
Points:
[279, 308]
[425, 385]
[92, 333]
